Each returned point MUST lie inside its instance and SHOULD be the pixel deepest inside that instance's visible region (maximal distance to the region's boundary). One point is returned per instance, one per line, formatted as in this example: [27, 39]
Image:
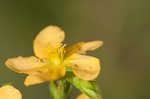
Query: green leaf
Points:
[89, 88]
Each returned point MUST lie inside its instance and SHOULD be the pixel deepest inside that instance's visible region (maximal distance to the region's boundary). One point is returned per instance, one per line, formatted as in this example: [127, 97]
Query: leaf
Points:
[89, 88]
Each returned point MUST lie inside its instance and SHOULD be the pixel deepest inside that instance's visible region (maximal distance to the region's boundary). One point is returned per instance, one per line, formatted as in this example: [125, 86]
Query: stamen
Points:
[61, 52]
[57, 56]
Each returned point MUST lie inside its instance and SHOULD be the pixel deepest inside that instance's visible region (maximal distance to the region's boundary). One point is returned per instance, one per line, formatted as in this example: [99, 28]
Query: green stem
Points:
[60, 89]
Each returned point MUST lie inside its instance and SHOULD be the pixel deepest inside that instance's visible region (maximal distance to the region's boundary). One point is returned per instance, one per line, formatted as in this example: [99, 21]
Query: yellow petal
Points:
[83, 96]
[47, 40]
[81, 47]
[9, 92]
[75, 48]
[85, 67]
[45, 74]
[35, 78]
[92, 45]
[24, 64]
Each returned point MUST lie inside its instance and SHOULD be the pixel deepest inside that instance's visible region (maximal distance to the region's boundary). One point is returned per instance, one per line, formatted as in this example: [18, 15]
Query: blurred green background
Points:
[123, 25]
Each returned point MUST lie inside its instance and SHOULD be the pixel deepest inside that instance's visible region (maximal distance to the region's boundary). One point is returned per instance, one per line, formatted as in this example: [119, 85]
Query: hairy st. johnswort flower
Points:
[51, 58]
[9, 92]
[83, 96]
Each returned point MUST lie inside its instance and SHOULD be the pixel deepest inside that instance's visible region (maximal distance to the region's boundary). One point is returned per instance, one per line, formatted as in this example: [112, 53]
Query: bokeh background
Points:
[123, 25]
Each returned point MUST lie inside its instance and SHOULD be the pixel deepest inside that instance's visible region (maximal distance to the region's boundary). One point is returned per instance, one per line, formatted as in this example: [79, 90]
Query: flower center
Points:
[57, 57]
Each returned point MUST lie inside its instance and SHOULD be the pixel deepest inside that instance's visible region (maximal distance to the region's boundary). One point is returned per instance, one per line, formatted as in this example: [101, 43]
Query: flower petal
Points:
[92, 45]
[83, 96]
[9, 92]
[81, 47]
[85, 67]
[34, 78]
[75, 48]
[44, 75]
[47, 40]
[24, 64]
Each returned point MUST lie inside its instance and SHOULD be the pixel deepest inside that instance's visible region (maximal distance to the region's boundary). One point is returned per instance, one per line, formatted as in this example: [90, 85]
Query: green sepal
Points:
[69, 69]
[60, 89]
[89, 88]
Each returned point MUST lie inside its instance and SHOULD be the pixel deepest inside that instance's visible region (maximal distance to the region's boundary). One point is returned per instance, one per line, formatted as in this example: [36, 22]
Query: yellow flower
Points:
[83, 96]
[51, 58]
[9, 92]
